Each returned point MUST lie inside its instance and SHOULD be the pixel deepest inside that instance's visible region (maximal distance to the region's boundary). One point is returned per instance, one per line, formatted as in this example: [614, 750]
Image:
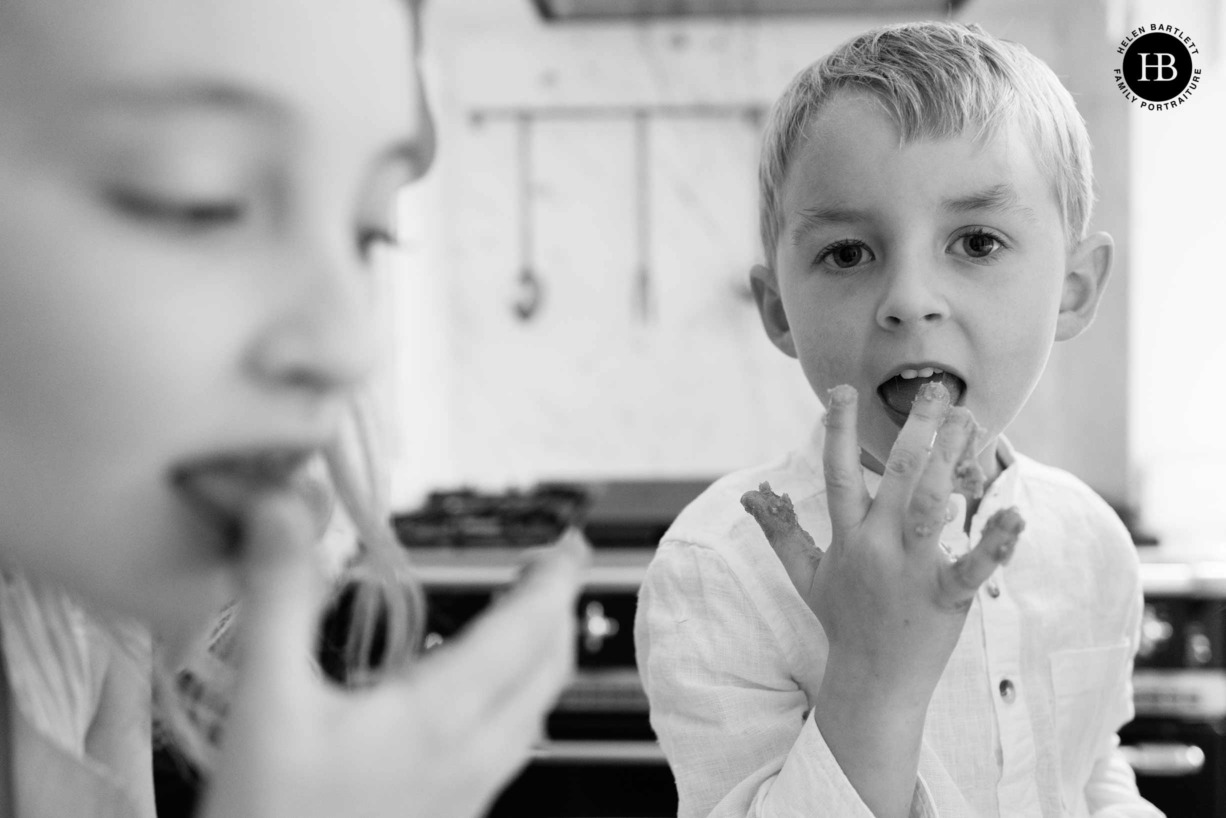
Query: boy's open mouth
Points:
[898, 393]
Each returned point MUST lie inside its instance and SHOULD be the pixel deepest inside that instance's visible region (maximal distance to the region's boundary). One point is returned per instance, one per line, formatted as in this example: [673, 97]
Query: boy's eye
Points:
[979, 244]
[186, 215]
[844, 254]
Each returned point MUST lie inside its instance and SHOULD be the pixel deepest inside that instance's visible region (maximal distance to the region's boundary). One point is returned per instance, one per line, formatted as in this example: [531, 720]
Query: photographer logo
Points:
[1159, 69]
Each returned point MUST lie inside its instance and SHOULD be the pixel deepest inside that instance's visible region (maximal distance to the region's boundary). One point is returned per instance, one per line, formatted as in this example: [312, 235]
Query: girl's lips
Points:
[271, 464]
[220, 488]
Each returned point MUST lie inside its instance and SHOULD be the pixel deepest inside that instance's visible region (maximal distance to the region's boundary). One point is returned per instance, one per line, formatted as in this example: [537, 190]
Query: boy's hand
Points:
[442, 739]
[890, 598]
[891, 601]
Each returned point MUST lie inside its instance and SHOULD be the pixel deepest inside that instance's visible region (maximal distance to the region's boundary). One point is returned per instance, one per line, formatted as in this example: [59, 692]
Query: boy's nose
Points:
[911, 298]
[323, 339]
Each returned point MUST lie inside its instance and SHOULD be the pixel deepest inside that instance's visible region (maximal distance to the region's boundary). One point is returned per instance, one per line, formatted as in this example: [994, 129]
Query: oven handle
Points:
[1164, 760]
[598, 752]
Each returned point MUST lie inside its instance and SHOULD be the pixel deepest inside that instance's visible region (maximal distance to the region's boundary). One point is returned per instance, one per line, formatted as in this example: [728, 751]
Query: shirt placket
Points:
[1017, 792]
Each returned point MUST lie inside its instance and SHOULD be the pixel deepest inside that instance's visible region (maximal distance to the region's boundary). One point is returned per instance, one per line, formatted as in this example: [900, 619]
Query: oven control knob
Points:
[597, 627]
[1155, 632]
[1198, 650]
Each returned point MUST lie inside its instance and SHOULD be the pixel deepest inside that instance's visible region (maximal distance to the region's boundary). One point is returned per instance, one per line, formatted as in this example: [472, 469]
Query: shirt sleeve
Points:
[1111, 791]
[733, 723]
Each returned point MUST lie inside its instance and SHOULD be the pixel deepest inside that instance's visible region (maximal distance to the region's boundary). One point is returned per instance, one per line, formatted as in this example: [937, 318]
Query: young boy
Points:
[925, 192]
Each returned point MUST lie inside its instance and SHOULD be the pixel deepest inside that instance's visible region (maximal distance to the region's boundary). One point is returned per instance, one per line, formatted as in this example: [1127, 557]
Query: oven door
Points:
[1179, 764]
[599, 758]
[592, 779]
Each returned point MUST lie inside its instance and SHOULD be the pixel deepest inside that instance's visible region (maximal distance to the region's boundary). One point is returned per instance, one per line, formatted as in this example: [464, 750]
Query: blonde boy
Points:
[925, 195]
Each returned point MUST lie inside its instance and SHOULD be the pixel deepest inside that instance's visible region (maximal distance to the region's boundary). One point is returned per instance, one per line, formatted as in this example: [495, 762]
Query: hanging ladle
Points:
[529, 287]
[642, 288]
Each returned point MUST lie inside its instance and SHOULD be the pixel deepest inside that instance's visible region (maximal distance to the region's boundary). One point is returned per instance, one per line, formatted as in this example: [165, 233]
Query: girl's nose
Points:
[911, 298]
[323, 338]
[424, 138]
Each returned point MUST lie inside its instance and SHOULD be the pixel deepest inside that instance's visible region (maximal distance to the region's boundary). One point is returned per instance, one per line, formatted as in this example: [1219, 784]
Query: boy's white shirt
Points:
[732, 659]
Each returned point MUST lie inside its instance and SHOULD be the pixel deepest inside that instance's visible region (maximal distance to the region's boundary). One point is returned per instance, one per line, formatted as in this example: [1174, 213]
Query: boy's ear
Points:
[770, 308]
[1087, 269]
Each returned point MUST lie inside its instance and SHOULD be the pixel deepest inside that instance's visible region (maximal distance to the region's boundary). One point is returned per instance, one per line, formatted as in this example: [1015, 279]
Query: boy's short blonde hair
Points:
[937, 80]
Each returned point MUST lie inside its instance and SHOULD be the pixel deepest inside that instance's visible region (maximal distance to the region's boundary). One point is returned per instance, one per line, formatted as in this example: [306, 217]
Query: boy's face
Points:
[897, 257]
[191, 195]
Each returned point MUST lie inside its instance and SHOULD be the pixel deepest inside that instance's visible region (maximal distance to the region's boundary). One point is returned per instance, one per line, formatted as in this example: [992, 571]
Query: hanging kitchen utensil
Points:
[530, 290]
[642, 285]
[754, 116]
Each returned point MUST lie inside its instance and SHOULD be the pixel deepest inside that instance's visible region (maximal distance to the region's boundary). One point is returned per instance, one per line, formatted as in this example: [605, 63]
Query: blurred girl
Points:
[192, 196]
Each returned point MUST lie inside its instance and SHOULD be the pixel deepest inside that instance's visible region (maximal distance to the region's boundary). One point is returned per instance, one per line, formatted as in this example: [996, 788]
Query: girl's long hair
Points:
[381, 607]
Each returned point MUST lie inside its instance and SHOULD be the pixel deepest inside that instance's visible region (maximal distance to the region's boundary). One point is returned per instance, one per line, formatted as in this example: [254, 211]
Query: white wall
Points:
[1178, 226]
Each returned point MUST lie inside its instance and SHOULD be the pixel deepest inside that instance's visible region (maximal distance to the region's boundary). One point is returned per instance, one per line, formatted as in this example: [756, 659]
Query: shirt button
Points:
[1007, 691]
[993, 589]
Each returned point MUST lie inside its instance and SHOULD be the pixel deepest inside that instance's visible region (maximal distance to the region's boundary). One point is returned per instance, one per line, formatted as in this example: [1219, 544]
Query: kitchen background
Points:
[626, 241]
[570, 304]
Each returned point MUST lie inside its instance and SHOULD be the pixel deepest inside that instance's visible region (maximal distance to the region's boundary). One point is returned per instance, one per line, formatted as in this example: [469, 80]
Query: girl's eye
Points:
[845, 254]
[371, 237]
[980, 244]
[189, 216]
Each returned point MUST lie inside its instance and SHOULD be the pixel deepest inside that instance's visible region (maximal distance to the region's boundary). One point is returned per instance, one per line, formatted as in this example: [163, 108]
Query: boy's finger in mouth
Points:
[898, 392]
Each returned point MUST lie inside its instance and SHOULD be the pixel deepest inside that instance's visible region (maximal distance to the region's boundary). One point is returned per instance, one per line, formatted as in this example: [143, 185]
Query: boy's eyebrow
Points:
[813, 218]
[1000, 197]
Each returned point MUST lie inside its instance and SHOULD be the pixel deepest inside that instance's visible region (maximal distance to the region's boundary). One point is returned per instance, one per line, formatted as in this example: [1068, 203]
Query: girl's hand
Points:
[442, 740]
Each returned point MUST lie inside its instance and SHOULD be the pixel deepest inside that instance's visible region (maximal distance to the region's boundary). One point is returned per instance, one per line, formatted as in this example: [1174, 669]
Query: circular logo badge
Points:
[1157, 67]
[1158, 70]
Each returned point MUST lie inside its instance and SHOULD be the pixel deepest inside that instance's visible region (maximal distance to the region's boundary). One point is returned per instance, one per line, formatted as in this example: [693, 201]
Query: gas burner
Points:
[466, 518]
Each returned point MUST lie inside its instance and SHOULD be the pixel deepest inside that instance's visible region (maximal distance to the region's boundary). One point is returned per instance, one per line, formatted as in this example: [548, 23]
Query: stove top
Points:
[613, 514]
[467, 518]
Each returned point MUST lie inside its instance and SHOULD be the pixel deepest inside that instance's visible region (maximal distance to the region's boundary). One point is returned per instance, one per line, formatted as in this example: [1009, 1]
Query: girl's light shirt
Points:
[79, 706]
[1023, 722]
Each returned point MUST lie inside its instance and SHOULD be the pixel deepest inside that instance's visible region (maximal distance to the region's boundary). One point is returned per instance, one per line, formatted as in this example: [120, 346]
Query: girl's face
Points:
[191, 196]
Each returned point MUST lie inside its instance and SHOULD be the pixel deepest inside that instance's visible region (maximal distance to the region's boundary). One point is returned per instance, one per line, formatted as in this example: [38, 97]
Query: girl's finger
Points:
[930, 501]
[516, 721]
[909, 457]
[846, 494]
[283, 589]
[962, 578]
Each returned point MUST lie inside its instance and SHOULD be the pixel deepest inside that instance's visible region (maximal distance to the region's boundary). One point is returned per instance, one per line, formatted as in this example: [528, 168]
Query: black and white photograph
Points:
[612, 409]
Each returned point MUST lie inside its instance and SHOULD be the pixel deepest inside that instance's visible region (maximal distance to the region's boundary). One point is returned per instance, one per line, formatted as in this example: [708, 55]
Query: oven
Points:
[598, 758]
[1177, 743]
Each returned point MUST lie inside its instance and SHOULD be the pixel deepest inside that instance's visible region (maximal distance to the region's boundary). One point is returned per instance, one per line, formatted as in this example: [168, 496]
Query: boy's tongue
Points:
[899, 392]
